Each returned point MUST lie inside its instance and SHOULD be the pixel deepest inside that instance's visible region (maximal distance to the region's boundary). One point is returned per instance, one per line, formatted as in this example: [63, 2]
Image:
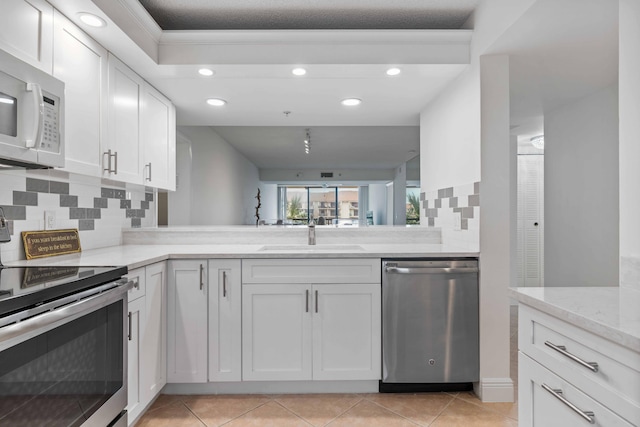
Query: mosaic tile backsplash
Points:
[456, 210]
[100, 209]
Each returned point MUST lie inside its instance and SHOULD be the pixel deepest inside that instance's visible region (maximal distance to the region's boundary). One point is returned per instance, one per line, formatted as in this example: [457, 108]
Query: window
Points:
[326, 205]
[413, 205]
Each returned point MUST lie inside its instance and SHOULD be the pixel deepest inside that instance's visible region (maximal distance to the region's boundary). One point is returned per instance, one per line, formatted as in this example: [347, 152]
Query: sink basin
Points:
[311, 248]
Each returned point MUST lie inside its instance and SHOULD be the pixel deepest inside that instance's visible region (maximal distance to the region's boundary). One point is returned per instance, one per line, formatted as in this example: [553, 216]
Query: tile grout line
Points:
[344, 412]
[394, 412]
[291, 412]
[246, 412]
[193, 413]
[444, 409]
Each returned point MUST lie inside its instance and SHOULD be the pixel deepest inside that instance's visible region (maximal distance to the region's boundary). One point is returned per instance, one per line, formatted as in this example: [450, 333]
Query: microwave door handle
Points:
[38, 114]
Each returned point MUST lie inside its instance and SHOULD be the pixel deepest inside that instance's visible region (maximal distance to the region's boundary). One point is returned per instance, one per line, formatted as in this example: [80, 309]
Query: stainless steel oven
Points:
[63, 346]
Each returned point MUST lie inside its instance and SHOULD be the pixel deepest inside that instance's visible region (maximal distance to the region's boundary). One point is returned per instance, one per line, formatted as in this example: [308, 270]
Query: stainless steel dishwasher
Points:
[429, 325]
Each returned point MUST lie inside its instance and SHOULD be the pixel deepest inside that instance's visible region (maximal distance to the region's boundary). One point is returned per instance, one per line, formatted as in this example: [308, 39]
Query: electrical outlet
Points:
[49, 220]
[457, 221]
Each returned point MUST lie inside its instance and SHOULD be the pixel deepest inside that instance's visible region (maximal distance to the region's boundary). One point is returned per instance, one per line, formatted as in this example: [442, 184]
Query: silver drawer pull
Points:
[557, 393]
[593, 366]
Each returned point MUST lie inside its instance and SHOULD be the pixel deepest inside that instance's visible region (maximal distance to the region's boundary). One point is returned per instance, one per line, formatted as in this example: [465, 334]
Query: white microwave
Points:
[31, 116]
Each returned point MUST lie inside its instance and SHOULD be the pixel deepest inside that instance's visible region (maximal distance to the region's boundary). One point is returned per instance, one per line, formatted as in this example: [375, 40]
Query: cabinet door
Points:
[276, 332]
[158, 139]
[26, 31]
[81, 64]
[125, 93]
[187, 322]
[225, 331]
[154, 367]
[346, 332]
[135, 399]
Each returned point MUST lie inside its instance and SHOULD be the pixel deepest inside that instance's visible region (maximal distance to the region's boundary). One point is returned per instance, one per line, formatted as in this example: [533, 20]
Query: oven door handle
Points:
[14, 334]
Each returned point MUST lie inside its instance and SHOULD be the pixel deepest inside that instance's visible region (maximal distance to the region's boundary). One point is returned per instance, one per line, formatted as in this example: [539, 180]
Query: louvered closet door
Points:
[530, 220]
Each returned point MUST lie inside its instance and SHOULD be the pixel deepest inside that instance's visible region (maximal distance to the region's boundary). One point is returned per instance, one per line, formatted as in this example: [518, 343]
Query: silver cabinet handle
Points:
[429, 270]
[115, 169]
[149, 166]
[316, 301]
[557, 393]
[592, 366]
[130, 328]
[306, 301]
[201, 274]
[108, 154]
[136, 283]
[224, 284]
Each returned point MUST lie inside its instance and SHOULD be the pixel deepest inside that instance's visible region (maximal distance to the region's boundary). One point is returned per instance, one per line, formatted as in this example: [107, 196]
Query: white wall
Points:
[581, 202]
[269, 200]
[497, 228]
[400, 195]
[629, 103]
[378, 203]
[179, 206]
[223, 182]
[450, 135]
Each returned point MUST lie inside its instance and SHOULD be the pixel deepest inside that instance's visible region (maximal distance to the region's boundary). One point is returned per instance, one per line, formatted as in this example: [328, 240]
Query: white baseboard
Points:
[495, 389]
[274, 387]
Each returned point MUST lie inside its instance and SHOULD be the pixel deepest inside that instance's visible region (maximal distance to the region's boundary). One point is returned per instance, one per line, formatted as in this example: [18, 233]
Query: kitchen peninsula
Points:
[256, 310]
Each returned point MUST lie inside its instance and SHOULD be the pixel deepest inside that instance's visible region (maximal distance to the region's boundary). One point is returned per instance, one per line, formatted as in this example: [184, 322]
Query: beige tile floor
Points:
[336, 410]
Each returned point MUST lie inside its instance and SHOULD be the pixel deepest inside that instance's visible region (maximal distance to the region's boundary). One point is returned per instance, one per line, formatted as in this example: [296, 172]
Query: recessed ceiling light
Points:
[299, 71]
[205, 72]
[393, 71]
[92, 20]
[350, 102]
[216, 102]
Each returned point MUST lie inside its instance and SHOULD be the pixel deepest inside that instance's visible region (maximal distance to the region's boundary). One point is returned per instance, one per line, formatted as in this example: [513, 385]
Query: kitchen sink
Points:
[311, 248]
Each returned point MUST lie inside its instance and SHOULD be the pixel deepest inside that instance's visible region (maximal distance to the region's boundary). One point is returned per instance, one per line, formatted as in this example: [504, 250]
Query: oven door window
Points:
[60, 378]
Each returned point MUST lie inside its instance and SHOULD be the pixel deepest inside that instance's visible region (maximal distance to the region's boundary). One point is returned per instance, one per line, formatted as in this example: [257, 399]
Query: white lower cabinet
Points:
[346, 332]
[146, 333]
[311, 332]
[569, 376]
[225, 343]
[154, 368]
[187, 322]
[135, 401]
[276, 332]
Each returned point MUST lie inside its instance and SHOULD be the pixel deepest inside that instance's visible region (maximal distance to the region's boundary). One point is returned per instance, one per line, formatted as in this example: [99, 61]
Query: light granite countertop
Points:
[610, 312]
[134, 256]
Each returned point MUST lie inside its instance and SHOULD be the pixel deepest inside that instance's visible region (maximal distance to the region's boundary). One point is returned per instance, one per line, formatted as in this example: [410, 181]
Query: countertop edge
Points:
[602, 330]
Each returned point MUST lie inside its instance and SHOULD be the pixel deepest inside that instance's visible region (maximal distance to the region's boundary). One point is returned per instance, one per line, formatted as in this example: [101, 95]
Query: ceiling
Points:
[252, 45]
[305, 14]
[332, 147]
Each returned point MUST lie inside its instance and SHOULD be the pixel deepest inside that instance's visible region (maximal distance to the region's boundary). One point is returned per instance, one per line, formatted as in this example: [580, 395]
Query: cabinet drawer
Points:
[266, 271]
[138, 277]
[615, 381]
[539, 407]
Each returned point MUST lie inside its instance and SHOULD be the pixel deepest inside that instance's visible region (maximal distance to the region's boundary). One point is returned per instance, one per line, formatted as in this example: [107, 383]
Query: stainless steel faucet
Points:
[312, 232]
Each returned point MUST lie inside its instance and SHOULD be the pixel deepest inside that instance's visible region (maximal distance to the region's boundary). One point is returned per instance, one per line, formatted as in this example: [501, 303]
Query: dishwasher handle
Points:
[430, 270]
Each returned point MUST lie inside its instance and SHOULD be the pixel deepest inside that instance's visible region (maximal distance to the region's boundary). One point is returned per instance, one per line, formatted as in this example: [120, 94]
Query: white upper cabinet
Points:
[158, 139]
[26, 28]
[122, 159]
[81, 64]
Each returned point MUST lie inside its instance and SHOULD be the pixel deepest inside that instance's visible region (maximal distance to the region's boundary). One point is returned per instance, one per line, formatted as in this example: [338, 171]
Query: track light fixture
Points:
[307, 141]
